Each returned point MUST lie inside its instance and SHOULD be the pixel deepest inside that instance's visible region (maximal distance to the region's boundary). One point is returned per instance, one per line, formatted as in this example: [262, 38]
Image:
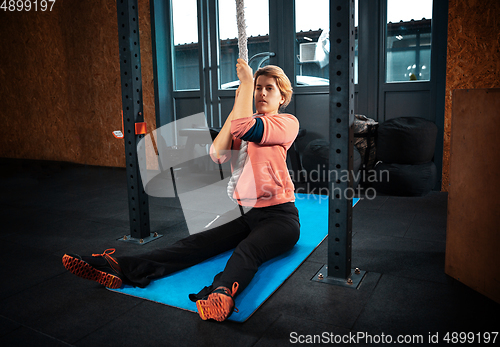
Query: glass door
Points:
[185, 45]
[405, 65]
[204, 38]
[257, 30]
[408, 40]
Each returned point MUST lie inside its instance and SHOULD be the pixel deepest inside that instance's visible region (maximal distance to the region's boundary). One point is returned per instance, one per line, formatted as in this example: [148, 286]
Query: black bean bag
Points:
[404, 179]
[406, 140]
[315, 163]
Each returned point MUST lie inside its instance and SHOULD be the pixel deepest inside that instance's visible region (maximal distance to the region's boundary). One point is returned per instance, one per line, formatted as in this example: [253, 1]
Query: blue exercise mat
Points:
[173, 290]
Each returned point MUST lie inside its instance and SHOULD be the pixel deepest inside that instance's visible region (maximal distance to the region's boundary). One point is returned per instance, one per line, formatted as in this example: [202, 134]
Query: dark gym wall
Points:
[473, 58]
[60, 82]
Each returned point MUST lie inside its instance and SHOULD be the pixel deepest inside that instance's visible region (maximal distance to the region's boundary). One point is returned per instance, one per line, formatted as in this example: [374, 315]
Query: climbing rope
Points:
[242, 32]
[243, 51]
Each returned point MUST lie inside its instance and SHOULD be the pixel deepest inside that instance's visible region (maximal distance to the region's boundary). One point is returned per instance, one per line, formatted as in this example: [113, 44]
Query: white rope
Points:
[242, 29]
[243, 50]
[238, 168]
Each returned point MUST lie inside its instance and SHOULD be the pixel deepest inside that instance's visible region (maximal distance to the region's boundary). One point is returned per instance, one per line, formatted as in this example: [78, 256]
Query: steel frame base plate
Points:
[151, 237]
[356, 277]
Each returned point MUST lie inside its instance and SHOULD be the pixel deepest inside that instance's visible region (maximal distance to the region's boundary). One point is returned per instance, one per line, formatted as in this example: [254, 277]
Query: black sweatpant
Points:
[257, 236]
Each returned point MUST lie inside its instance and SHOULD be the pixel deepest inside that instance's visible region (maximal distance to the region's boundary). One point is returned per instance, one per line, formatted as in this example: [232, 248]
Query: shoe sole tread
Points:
[83, 270]
[217, 307]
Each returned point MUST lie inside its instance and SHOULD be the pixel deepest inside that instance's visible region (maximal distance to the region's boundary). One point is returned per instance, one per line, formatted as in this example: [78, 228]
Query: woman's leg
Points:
[275, 230]
[139, 270]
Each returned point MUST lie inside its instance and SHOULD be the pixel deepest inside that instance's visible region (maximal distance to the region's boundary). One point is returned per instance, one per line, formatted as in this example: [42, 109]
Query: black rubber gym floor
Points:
[50, 208]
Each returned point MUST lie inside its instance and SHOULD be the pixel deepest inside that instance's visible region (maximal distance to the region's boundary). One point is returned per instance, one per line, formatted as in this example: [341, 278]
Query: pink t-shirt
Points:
[265, 180]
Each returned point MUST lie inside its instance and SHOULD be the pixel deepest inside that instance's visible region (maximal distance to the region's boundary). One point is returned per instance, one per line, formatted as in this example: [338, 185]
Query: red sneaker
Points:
[101, 268]
[218, 305]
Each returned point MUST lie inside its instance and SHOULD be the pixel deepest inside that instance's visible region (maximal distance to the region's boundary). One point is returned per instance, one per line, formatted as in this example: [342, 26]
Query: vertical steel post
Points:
[132, 105]
[341, 142]
[338, 270]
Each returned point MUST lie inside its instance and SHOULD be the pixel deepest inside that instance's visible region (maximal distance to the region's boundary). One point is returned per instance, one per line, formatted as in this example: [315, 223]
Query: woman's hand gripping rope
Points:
[244, 72]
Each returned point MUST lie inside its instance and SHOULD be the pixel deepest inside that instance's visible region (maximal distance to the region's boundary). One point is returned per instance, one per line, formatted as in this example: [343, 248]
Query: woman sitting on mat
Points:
[265, 231]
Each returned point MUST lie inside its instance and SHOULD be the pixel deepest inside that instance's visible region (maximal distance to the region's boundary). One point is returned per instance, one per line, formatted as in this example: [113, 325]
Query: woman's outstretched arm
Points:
[243, 107]
[243, 104]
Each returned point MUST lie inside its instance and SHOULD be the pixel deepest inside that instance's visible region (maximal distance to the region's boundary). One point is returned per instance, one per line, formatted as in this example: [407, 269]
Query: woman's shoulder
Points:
[280, 119]
[288, 116]
[278, 115]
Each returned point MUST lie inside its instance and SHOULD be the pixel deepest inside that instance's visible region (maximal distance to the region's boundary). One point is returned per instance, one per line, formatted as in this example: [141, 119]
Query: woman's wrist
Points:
[246, 83]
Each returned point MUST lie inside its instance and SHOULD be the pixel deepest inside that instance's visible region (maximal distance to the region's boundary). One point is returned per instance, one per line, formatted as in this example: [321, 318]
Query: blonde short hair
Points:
[282, 81]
